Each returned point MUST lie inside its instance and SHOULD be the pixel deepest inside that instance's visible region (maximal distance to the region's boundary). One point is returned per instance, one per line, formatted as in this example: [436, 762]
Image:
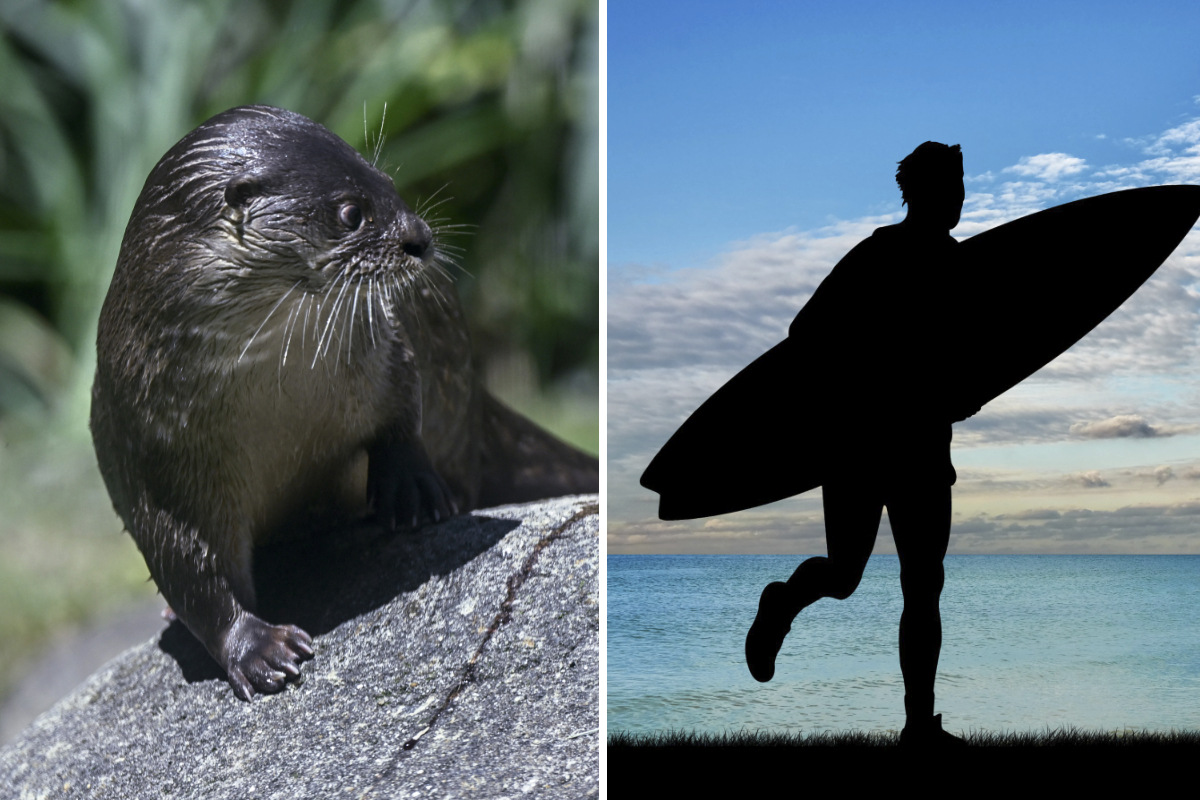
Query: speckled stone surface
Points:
[474, 642]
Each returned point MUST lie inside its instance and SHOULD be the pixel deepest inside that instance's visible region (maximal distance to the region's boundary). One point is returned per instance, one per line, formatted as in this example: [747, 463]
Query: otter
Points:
[281, 342]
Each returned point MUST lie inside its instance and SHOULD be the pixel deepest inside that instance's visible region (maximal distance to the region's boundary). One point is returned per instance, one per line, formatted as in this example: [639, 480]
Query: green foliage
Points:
[491, 119]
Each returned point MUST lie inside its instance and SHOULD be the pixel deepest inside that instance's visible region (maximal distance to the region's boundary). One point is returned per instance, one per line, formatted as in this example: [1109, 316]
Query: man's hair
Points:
[931, 165]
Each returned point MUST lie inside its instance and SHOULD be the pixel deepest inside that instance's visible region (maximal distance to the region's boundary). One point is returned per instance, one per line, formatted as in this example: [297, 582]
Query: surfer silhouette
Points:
[860, 397]
[883, 341]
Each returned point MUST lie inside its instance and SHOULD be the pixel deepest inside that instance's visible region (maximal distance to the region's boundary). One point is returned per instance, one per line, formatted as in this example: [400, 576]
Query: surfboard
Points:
[1022, 294]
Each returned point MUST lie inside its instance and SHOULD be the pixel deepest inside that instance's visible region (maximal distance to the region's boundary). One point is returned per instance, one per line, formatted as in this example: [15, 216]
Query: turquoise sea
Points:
[1029, 642]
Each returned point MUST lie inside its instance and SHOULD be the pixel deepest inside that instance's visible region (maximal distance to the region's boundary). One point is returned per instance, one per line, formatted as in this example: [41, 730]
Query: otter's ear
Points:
[241, 188]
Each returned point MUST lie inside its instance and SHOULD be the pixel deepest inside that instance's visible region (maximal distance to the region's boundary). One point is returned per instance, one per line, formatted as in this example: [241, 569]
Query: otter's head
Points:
[260, 211]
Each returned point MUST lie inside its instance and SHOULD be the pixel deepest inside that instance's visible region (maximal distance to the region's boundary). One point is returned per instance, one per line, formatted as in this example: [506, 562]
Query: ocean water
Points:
[1029, 642]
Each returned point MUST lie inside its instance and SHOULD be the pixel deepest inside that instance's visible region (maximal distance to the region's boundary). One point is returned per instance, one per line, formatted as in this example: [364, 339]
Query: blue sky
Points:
[729, 119]
[750, 145]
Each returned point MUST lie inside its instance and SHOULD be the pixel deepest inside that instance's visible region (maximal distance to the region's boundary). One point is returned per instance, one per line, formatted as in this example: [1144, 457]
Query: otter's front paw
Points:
[404, 488]
[259, 657]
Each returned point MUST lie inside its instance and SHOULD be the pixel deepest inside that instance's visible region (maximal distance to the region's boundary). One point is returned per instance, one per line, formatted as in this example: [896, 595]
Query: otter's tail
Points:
[522, 462]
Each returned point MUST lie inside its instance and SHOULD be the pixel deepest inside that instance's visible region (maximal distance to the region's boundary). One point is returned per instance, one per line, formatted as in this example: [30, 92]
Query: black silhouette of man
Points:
[887, 362]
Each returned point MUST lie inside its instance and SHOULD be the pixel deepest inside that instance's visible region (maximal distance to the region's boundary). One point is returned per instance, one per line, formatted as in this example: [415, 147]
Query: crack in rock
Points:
[503, 616]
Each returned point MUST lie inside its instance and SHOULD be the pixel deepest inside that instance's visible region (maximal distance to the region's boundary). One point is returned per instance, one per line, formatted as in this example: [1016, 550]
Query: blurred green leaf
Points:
[491, 110]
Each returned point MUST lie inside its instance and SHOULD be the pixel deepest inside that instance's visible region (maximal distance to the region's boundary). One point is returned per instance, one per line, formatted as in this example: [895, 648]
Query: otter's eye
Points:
[351, 216]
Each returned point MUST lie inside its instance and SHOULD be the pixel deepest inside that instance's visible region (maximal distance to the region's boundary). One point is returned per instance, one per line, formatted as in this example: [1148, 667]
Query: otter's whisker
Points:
[371, 309]
[439, 297]
[385, 314]
[334, 313]
[304, 328]
[378, 150]
[318, 329]
[289, 330]
[437, 267]
[385, 296]
[278, 303]
[347, 330]
[353, 316]
[318, 332]
[425, 206]
[298, 313]
[393, 290]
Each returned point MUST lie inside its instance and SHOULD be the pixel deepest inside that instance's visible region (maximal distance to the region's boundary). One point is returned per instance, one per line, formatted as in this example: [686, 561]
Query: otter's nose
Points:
[416, 238]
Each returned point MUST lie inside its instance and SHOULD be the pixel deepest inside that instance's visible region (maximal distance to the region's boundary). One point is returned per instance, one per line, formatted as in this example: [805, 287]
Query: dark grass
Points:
[848, 764]
[1066, 737]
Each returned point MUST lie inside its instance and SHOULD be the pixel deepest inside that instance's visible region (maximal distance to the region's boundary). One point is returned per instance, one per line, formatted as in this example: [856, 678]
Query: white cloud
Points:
[1022, 197]
[1121, 426]
[1147, 528]
[1183, 138]
[1048, 166]
[728, 312]
[1174, 156]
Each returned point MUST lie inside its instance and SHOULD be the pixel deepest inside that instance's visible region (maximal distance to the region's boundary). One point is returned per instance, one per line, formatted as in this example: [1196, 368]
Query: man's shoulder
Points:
[887, 239]
[878, 242]
[906, 232]
[898, 239]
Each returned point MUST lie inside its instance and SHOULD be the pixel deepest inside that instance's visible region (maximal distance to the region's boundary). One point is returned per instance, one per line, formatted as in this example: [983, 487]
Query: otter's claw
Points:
[260, 657]
[403, 487]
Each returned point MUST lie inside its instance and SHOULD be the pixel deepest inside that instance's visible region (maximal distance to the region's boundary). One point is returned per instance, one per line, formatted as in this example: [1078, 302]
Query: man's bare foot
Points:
[929, 734]
[766, 634]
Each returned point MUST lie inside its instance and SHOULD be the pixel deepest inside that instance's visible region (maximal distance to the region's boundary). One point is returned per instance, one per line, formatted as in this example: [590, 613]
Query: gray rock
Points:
[461, 660]
[70, 657]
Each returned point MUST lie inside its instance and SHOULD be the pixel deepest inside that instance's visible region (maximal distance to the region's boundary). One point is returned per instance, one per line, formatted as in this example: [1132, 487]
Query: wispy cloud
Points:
[1174, 156]
[1092, 479]
[1146, 528]
[1127, 426]
[726, 312]
[1048, 166]
[1180, 140]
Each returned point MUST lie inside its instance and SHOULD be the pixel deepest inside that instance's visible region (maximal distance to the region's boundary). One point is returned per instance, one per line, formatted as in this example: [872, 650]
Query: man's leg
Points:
[851, 522]
[920, 519]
